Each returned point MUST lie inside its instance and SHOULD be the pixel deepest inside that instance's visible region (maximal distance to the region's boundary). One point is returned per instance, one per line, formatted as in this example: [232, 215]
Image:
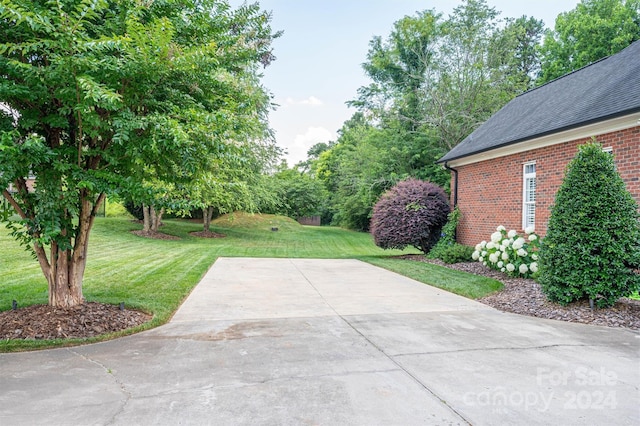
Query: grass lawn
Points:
[156, 275]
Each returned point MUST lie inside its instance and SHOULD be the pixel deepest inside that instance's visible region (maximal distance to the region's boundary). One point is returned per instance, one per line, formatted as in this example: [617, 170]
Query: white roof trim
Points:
[600, 128]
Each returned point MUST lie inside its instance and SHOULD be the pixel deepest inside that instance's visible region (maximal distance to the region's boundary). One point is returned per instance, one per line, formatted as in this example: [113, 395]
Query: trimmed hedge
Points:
[593, 238]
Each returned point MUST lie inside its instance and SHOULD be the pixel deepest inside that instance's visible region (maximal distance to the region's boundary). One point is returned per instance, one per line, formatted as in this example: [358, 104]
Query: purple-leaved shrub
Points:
[412, 213]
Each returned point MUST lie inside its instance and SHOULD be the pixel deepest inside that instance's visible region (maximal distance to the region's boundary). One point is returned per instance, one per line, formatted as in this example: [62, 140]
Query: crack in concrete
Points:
[389, 357]
[108, 371]
[497, 348]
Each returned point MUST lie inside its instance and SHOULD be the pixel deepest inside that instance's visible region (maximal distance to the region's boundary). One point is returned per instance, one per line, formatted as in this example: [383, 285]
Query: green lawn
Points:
[156, 275]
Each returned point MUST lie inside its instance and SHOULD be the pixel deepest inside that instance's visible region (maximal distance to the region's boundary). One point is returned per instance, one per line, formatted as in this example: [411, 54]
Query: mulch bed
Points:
[525, 297]
[87, 320]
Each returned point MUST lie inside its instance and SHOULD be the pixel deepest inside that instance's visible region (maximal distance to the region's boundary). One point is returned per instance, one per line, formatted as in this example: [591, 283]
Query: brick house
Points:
[508, 170]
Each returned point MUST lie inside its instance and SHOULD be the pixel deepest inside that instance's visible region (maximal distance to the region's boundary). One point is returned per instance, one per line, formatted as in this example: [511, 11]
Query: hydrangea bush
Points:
[509, 252]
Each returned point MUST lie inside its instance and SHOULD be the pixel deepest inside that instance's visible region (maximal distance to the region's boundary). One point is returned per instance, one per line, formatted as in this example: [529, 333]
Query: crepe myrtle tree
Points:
[100, 90]
[412, 213]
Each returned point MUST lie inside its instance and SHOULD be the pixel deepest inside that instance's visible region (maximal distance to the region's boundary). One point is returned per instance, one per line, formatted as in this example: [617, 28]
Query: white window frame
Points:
[528, 202]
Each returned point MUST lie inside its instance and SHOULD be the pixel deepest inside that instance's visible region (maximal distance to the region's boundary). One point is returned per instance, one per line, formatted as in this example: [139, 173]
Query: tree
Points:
[412, 213]
[592, 244]
[107, 98]
[515, 52]
[593, 30]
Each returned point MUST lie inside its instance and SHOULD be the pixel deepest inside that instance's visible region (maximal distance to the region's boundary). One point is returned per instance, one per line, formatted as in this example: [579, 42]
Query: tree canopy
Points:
[593, 30]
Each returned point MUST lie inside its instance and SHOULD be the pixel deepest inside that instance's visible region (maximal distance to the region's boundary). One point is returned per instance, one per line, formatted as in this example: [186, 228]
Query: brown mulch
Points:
[155, 235]
[89, 319]
[525, 297]
[207, 234]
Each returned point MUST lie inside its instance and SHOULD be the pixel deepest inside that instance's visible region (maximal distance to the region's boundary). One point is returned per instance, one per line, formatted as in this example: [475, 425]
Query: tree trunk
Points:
[207, 215]
[65, 270]
[65, 279]
[151, 218]
[157, 215]
[146, 218]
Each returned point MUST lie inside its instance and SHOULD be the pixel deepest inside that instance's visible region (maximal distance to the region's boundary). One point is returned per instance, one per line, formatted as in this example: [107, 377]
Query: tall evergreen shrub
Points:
[412, 213]
[592, 244]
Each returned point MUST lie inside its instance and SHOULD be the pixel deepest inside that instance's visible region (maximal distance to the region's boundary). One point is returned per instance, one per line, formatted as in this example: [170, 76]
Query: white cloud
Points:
[297, 151]
[310, 101]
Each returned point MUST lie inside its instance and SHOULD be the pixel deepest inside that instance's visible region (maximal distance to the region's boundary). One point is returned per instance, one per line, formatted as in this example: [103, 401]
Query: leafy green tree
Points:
[592, 244]
[515, 52]
[107, 97]
[593, 30]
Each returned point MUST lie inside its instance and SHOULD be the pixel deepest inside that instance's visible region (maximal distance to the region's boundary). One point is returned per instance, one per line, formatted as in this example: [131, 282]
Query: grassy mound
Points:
[256, 221]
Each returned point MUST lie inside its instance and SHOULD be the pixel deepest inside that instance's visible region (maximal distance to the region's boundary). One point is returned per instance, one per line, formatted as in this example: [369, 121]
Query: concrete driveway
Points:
[331, 342]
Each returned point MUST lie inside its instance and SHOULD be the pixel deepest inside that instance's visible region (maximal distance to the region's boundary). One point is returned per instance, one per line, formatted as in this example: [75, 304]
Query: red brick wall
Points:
[490, 192]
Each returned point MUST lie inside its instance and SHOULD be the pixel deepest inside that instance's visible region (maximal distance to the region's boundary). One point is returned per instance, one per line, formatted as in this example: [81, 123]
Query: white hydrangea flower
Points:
[491, 245]
[501, 228]
[506, 243]
[503, 248]
[522, 252]
[496, 237]
[523, 269]
[493, 257]
[475, 255]
[512, 233]
[478, 247]
[500, 264]
[483, 243]
[484, 263]
[534, 267]
[517, 244]
[505, 256]
[534, 256]
[529, 230]
[533, 237]
[511, 267]
[481, 259]
[484, 253]
[503, 269]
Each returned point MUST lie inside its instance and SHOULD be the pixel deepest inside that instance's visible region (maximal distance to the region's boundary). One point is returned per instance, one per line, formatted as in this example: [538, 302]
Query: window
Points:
[529, 195]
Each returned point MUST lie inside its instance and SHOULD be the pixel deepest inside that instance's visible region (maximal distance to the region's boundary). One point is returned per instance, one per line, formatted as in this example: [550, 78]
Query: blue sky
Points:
[319, 57]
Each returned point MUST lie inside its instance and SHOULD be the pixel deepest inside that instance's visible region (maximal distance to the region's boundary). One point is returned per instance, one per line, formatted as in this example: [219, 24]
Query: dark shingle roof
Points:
[604, 89]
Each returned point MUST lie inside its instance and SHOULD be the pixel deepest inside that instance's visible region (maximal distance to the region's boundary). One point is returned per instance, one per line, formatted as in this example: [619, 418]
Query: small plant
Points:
[509, 252]
[592, 244]
[447, 249]
[455, 253]
[412, 213]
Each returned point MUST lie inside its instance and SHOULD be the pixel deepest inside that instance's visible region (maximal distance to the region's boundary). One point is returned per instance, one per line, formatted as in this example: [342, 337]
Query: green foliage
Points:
[455, 253]
[115, 209]
[593, 30]
[299, 194]
[448, 236]
[593, 238]
[433, 79]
